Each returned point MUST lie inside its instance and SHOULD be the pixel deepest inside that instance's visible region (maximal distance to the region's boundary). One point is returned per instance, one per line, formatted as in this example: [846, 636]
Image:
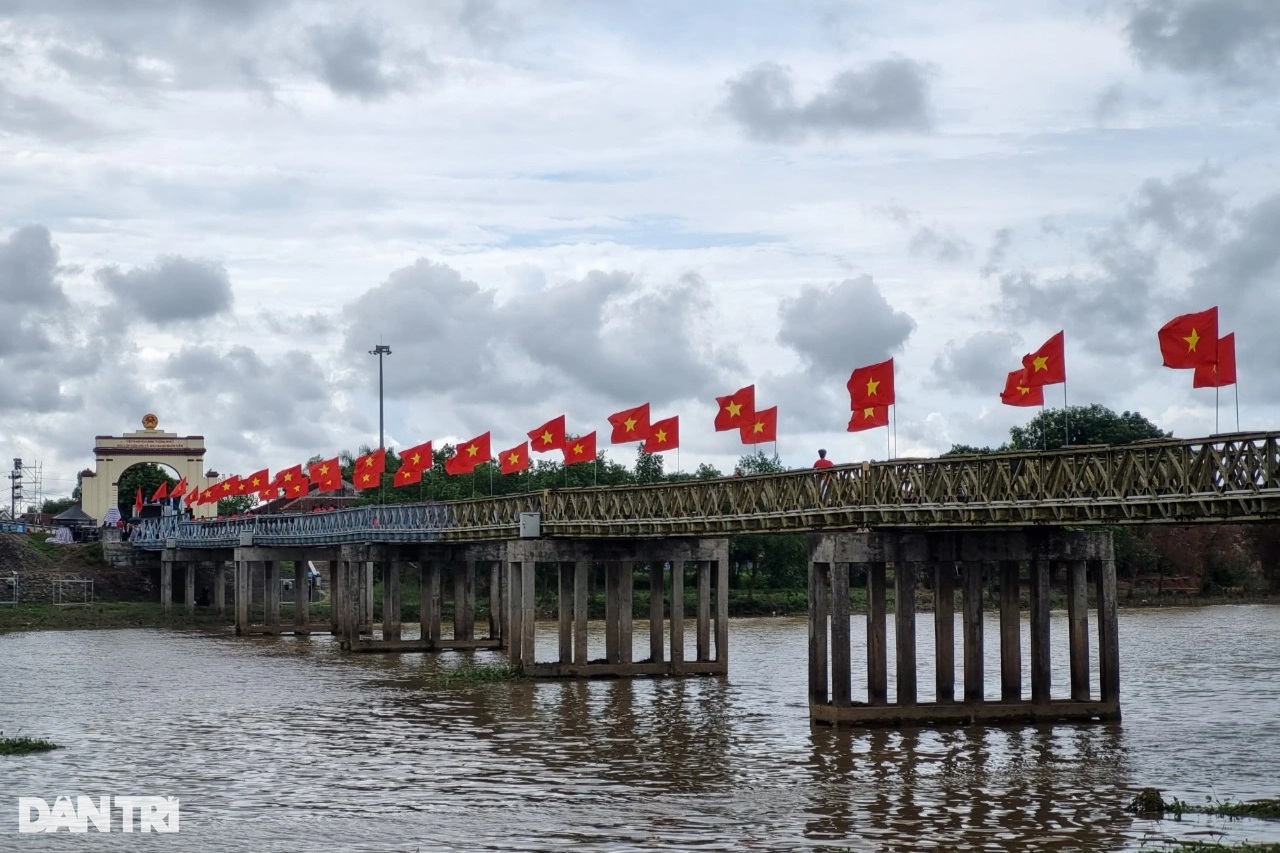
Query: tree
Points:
[1092, 424]
[148, 476]
[53, 506]
[236, 505]
[969, 450]
[758, 463]
[648, 466]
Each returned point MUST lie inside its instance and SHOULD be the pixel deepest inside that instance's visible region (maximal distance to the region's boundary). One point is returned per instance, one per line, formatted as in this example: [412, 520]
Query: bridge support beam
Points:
[569, 566]
[836, 558]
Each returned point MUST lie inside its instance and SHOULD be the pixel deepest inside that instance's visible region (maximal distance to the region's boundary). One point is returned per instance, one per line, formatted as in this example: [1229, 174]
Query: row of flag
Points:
[1187, 341]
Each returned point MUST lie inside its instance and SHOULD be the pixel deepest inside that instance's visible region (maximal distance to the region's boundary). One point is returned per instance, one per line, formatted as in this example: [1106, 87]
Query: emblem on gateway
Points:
[150, 421]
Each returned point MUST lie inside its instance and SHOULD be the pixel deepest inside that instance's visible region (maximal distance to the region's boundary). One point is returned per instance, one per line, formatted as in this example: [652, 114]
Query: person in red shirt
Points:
[823, 461]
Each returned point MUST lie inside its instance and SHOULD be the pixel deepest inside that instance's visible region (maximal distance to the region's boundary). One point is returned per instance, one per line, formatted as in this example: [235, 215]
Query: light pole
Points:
[380, 350]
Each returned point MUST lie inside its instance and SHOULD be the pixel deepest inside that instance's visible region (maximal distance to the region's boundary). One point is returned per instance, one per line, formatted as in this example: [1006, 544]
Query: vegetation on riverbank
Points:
[468, 674]
[1211, 847]
[25, 745]
[32, 616]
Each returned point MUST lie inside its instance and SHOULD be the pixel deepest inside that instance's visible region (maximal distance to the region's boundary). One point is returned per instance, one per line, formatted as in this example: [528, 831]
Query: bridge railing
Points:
[1233, 476]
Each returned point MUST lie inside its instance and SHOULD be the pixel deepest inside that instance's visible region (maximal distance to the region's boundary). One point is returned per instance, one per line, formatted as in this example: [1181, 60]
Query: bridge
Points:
[1221, 478]
[1011, 520]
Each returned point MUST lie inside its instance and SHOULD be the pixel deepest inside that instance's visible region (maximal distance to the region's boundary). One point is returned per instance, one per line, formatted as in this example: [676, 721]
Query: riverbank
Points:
[36, 616]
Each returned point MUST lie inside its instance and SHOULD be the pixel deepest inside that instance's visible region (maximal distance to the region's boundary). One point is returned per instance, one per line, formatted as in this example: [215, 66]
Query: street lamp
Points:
[380, 350]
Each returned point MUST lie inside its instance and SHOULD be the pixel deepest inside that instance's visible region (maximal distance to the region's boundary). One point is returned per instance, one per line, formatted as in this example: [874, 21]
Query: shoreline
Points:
[106, 615]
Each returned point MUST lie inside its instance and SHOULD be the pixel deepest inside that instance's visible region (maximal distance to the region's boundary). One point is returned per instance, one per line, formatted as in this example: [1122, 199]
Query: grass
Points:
[1268, 809]
[25, 745]
[470, 674]
[28, 616]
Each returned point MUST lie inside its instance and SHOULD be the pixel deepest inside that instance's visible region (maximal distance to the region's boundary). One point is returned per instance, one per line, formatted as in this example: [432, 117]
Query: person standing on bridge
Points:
[823, 461]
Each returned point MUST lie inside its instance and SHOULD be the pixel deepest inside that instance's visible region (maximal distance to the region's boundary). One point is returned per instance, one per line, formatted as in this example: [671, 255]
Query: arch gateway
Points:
[114, 454]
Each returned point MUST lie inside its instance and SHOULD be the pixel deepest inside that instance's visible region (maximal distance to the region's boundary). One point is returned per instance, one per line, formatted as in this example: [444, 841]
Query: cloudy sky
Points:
[213, 210]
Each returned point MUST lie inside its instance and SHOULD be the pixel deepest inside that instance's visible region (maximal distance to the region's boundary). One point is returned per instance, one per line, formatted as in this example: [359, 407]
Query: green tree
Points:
[969, 450]
[1092, 424]
[237, 505]
[707, 471]
[758, 463]
[146, 476]
[53, 506]
[648, 466]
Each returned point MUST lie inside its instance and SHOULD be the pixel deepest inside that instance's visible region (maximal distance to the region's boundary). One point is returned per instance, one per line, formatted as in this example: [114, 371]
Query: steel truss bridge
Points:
[1222, 478]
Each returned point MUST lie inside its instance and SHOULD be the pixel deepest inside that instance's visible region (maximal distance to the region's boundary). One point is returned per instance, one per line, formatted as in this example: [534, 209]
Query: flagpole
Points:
[894, 409]
[1215, 404]
[1237, 387]
[1066, 416]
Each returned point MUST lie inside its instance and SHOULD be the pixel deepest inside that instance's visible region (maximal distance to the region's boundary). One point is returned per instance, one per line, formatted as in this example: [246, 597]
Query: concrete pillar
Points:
[704, 610]
[391, 599]
[166, 586]
[581, 576]
[301, 594]
[1078, 629]
[463, 600]
[820, 577]
[220, 587]
[944, 628]
[841, 648]
[564, 575]
[189, 577]
[1010, 633]
[877, 654]
[335, 595]
[271, 596]
[495, 601]
[973, 674]
[242, 572]
[722, 605]
[515, 608]
[366, 596]
[904, 579]
[657, 589]
[429, 600]
[528, 602]
[626, 610]
[677, 614]
[612, 571]
[1040, 674]
[1108, 631]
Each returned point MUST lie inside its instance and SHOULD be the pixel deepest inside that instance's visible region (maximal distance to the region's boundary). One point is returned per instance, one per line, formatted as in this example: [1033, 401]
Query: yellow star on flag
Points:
[513, 459]
[631, 424]
[1041, 363]
[417, 457]
[256, 481]
[365, 477]
[1023, 390]
[872, 387]
[547, 436]
[734, 409]
[578, 450]
[226, 487]
[288, 476]
[759, 427]
[1192, 339]
[324, 470]
[868, 413]
[662, 436]
[473, 449]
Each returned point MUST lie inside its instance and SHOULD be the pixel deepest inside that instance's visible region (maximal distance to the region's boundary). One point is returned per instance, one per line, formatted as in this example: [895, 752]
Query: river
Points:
[289, 745]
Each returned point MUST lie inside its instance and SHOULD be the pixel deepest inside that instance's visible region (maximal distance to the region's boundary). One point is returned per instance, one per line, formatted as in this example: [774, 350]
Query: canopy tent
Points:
[73, 517]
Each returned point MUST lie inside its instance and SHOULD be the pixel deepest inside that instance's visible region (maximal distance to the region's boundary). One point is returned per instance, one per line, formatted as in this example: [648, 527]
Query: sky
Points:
[214, 209]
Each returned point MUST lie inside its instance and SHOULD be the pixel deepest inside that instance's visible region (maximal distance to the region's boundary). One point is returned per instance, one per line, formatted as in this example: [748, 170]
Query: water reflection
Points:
[261, 738]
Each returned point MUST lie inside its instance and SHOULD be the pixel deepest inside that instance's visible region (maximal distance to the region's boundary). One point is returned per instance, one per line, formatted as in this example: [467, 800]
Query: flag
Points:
[298, 487]
[373, 463]
[137, 502]
[162, 492]
[193, 497]
[180, 489]
[242, 485]
[407, 476]
[256, 482]
[418, 457]
[285, 478]
[549, 436]
[515, 460]
[362, 478]
[269, 492]
[327, 475]
[580, 449]
[630, 425]
[229, 487]
[871, 386]
[869, 417]
[762, 427]
[663, 435]
[1047, 365]
[1190, 340]
[1018, 393]
[1221, 373]
[735, 409]
[469, 454]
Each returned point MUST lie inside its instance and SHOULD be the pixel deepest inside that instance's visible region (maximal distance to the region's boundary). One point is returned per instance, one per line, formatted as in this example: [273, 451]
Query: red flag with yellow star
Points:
[286, 476]
[469, 455]
[1190, 340]
[374, 462]
[1047, 365]
[514, 460]
[229, 487]
[162, 492]
[255, 482]
[868, 417]
[418, 457]
[180, 489]
[192, 497]
[735, 409]
[762, 427]
[549, 436]
[663, 435]
[630, 425]
[1018, 393]
[407, 476]
[327, 475]
[871, 385]
[364, 478]
[1223, 371]
[298, 487]
[581, 449]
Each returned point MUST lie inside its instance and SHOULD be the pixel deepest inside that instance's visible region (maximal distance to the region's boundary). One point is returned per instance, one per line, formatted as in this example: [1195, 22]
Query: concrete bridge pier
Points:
[462, 564]
[569, 564]
[262, 565]
[979, 560]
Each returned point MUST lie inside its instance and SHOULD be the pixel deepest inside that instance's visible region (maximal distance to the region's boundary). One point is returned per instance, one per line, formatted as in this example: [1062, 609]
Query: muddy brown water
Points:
[289, 745]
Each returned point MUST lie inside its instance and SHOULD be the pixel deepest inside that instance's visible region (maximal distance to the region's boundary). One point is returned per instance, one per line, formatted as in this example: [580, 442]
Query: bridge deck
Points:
[1232, 477]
